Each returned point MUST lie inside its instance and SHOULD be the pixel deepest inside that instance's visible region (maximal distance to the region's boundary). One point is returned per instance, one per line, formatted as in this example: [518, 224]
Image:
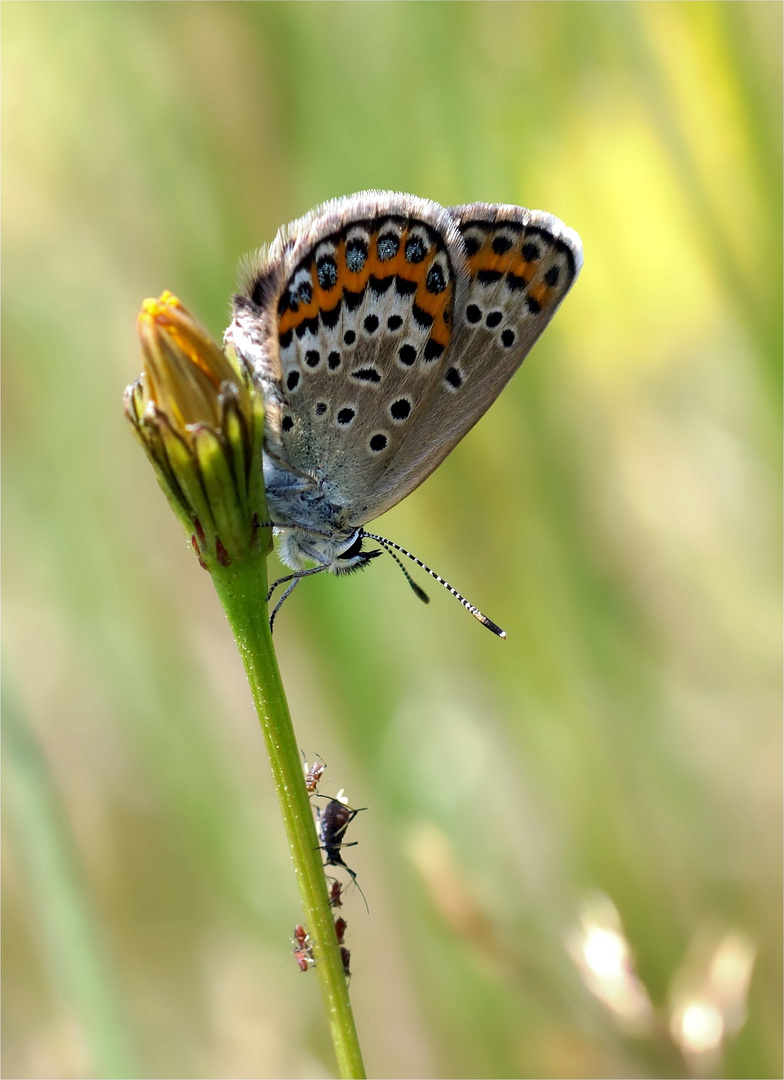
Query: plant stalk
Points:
[242, 589]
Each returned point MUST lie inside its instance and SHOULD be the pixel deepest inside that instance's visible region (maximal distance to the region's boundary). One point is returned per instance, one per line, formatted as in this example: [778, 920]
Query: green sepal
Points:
[236, 440]
[147, 435]
[231, 521]
[183, 464]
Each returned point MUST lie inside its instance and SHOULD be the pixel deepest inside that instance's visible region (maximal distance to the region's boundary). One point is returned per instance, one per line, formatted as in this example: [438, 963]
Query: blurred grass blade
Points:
[70, 930]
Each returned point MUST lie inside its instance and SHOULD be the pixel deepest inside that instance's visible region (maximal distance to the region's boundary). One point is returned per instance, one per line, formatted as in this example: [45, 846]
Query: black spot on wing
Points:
[356, 254]
[404, 287]
[416, 249]
[308, 326]
[387, 246]
[400, 409]
[330, 316]
[423, 318]
[367, 374]
[327, 272]
[380, 285]
[433, 349]
[435, 281]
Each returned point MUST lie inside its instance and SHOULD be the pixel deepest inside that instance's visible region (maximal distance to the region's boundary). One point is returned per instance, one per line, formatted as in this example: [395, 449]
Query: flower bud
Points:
[200, 418]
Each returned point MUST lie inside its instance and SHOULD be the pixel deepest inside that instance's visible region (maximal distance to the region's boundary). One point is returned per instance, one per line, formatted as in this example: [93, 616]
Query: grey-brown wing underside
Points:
[520, 265]
[345, 320]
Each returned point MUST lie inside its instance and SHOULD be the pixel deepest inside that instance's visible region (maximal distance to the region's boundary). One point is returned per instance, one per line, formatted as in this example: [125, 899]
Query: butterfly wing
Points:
[343, 317]
[519, 266]
[382, 327]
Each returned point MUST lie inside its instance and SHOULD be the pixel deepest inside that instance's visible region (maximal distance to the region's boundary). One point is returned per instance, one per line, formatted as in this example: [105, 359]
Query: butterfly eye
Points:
[353, 550]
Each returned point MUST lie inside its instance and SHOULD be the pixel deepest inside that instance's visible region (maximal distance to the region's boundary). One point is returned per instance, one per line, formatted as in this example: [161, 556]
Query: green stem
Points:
[242, 588]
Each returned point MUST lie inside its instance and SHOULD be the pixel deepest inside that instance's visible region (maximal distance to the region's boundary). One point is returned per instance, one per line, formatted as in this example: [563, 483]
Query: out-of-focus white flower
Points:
[602, 953]
[708, 996]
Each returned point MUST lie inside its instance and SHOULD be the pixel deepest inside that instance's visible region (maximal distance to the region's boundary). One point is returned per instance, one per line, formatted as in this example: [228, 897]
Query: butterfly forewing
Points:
[363, 309]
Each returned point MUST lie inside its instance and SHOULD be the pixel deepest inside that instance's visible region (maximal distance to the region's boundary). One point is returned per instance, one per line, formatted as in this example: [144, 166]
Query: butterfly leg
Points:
[280, 581]
[279, 604]
[292, 577]
[295, 580]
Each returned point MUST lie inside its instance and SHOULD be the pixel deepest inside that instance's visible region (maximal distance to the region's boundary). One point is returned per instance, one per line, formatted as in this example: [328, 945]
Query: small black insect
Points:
[340, 928]
[334, 820]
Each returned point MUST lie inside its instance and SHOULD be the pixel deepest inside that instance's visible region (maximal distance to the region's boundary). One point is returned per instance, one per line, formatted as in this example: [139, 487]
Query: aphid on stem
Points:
[345, 956]
[303, 948]
[313, 773]
[334, 820]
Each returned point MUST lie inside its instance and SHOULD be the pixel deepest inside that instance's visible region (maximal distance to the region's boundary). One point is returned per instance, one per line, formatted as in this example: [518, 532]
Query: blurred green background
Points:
[572, 854]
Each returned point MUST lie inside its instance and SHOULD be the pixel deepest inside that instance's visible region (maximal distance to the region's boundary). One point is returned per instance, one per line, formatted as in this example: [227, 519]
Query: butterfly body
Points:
[381, 327]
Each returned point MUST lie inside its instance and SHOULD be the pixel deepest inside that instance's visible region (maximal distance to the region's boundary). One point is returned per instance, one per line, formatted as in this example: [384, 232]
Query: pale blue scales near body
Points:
[381, 327]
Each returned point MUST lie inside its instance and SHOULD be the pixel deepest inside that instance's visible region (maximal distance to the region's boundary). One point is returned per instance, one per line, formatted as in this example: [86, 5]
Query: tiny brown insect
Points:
[340, 929]
[313, 774]
[303, 948]
[304, 961]
[345, 956]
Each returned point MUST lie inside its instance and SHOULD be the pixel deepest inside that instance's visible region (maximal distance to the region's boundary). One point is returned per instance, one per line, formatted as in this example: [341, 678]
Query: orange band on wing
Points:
[521, 271]
[433, 306]
[510, 262]
[540, 293]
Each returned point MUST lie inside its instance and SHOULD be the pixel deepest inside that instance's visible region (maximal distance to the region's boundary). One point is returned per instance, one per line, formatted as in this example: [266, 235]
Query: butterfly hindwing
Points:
[519, 266]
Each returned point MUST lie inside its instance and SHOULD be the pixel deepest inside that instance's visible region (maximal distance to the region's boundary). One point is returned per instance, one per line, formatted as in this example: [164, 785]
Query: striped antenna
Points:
[417, 590]
[483, 619]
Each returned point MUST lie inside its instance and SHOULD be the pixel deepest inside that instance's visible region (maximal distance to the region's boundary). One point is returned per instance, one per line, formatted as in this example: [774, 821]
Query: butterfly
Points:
[380, 328]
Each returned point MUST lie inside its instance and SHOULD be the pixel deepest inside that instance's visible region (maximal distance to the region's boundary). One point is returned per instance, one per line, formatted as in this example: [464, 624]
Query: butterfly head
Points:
[340, 553]
[352, 557]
